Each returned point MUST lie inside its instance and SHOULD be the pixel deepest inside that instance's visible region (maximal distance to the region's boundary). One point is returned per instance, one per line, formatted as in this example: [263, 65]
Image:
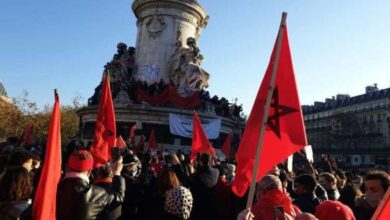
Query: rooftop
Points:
[342, 100]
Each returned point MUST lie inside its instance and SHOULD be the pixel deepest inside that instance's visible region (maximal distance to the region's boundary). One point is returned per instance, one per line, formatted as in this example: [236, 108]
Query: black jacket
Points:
[203, 192]
[307, 202]
[77, 199]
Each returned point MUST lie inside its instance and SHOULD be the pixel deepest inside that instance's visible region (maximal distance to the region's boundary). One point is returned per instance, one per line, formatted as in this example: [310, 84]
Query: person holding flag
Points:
[77, 198]
[206, 177]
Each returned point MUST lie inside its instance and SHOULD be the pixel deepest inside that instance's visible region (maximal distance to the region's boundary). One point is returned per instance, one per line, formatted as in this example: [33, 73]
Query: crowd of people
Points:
[221, 106]
[161, 185]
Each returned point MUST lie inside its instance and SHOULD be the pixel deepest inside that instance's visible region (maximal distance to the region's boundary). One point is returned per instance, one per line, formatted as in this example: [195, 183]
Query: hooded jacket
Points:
[264, 208]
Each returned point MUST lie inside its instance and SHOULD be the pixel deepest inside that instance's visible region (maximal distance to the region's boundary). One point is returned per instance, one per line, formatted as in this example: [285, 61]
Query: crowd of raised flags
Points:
[274, 131]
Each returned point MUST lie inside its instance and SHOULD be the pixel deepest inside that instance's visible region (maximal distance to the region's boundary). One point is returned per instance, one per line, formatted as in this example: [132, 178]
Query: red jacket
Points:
[264, 208]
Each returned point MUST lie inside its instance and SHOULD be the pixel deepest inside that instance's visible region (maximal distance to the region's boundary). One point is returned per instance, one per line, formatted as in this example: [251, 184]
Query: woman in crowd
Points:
[178, 199]
[15, 193]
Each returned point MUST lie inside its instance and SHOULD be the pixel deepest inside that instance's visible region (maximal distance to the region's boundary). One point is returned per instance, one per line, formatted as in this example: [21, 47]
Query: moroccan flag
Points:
[200, 142]
[28, 135]
[120, 142]
[284, 132]
[227, 145]
[383, 210]
[152, 143]
[105, 130]
[44, 205]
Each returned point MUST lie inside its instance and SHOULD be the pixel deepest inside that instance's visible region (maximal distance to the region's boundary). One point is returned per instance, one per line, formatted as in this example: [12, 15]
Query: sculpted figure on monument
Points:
[121, 68]
[187, 74]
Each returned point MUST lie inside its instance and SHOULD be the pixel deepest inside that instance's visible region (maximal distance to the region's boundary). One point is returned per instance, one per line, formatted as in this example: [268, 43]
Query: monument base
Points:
[150, 117]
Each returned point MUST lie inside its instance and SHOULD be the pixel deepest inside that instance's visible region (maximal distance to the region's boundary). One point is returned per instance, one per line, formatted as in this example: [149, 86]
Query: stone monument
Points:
[168, 31]
[166, 56]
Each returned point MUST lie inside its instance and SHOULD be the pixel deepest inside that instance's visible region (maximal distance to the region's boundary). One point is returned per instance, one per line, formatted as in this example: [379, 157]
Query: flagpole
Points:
[381, 205]
[266, 110]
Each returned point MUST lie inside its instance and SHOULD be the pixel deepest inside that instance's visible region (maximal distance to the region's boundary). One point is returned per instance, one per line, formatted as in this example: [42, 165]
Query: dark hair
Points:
[167, 180]
[307, 181]
[205, 159]
[379, 175]
[18, 158]
[15, 185]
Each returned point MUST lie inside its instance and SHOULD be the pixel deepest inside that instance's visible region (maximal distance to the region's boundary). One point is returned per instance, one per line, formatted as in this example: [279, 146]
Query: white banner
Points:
[149, 72]
[309, 153]
[290, 163]
[182, 126]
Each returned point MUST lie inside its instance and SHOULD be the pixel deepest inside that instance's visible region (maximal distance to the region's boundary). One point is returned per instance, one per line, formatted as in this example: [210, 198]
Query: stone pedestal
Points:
[157, 118]
[162, 27]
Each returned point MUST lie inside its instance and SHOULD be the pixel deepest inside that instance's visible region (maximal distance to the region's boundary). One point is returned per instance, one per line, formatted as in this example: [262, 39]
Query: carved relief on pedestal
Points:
[156, 25]
[184, 66]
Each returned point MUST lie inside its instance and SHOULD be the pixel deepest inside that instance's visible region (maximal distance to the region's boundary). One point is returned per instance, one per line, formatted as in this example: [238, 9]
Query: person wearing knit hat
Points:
[80, 161]
[334, 210]
[306, 199]
[77, 198]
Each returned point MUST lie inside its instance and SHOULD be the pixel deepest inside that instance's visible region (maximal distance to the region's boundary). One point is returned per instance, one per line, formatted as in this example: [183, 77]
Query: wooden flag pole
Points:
[266, 110]
[381, 205]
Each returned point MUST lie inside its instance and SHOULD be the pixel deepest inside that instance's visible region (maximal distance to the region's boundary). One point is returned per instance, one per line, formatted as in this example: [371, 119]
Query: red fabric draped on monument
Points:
[170, 95]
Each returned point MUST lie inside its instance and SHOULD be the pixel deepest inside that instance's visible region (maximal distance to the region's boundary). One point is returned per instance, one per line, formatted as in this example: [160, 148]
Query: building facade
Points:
[354, 131]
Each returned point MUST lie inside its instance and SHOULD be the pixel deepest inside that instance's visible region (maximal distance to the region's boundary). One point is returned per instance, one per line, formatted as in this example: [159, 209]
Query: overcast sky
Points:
[337, 46]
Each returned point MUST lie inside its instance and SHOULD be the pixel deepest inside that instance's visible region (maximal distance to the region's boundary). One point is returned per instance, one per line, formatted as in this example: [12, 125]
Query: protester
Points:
[77, 198]
[376, 184]
[203, 189]
[134, 201]
[270, 194]
[334, 210]
[21, 158]
[178, 199]
[15, 193]
[304, 187]
[103, 177]
[329, 182]
[155, 165]
[349, 193]
[224, 196]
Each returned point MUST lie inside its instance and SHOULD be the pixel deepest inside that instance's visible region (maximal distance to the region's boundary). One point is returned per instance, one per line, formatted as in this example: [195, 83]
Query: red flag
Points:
[132, 131]
[105, 130]
[139, 147]
[227, 145]
[152, 143]
[120, 142]
[28, 135]
[44, 205]
[285, 131]
[382, 212]
[200, 142]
